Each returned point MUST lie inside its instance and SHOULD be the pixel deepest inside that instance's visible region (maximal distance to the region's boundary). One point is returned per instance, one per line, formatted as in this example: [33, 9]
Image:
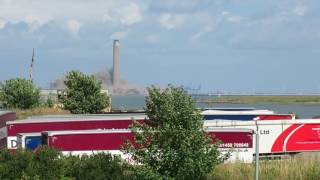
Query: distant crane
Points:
[31, 66]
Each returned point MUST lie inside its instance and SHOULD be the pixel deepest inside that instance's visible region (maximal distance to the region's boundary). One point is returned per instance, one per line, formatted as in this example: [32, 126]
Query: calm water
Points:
[303, 111]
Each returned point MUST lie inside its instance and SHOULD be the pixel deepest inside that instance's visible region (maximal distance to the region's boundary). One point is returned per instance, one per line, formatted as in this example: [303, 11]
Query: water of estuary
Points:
[302, 110]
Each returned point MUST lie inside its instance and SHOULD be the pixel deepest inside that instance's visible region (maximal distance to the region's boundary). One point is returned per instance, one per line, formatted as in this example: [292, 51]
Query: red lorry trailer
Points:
[236, 141]
[5, 116]
[69, 122]
[279, 137]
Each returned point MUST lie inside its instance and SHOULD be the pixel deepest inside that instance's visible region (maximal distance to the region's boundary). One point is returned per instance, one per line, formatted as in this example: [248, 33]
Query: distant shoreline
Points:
[259, 99]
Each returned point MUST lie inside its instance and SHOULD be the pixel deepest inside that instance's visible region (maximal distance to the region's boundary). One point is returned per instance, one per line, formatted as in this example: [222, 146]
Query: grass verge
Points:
[292, 169]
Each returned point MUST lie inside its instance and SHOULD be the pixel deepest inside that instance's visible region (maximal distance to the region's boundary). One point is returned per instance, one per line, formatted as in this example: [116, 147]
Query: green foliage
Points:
[19, 93]
[49, 103]
[83, 94]
[13, 166]
[27, 165]
[172, 142]
[46, 164]
[99, 166]
[50, 164]
[141, 172]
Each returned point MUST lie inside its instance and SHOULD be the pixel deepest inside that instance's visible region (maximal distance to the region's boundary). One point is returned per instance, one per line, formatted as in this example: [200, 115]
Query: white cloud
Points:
[225, 13]
[300, 10]
[176, 5]
[124, 15]
[206, 30]
[73, 26]
[152, 39]
[170, 21]
[119, 35]
[235, 19]
[37, 13]
[232, 18]
[2, 23]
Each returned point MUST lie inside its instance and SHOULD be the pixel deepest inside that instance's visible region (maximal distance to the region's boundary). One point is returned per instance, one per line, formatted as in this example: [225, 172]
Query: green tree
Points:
[19, 93]
[172, 142]
[83, 94]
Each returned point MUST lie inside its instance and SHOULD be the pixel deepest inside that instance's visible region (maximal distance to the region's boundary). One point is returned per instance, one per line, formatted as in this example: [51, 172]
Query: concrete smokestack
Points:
[116, 62]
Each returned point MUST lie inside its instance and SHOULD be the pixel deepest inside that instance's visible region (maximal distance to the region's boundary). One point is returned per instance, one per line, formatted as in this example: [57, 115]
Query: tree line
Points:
[82, 94]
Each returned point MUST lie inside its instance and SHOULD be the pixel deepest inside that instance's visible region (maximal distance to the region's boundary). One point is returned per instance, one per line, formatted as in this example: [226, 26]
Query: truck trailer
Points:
[238, 142]
[279, 137]
[59, 123]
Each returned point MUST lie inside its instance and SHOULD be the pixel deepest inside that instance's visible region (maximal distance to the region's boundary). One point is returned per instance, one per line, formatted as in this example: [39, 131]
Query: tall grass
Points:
[302, 168]
[22, 114]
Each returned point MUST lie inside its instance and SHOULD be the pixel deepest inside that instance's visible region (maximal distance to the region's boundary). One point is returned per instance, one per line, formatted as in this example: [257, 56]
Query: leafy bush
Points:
[44, 164]
[47, 164]
[19, 93]
[13, 166]
[50, 164]
[83, 94]
[49, 103]
[99, 166]
[141, 172]
[172, 142]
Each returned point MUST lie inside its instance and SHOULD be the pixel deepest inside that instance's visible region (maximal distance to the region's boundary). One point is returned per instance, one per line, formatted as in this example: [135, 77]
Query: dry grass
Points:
[302, 168]
[22, 114]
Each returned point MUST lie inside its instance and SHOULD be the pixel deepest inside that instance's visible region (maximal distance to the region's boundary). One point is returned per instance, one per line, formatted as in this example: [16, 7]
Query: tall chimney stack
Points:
[116, 62]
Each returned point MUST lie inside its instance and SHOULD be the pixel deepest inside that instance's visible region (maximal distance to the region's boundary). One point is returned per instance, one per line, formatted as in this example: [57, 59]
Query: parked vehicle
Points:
[278, 137]
[236, 141]
[58, 123]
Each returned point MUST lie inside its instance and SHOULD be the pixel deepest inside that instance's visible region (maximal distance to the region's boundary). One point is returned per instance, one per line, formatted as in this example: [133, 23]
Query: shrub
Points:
[13, 166]
[172, 142]
[101, 166]
[83, 94]
[44, 164]
[49, 103]
[19, 93]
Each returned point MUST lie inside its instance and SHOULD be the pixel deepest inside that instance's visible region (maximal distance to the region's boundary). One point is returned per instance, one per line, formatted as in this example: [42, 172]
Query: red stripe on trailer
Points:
[306, 138]
[113, 140]
[14, 129]
[275, 117]
[92, 141]
[278, 145]
[82, 142]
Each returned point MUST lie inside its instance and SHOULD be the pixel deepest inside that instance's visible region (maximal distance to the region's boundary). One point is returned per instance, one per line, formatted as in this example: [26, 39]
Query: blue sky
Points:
[226, 45]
